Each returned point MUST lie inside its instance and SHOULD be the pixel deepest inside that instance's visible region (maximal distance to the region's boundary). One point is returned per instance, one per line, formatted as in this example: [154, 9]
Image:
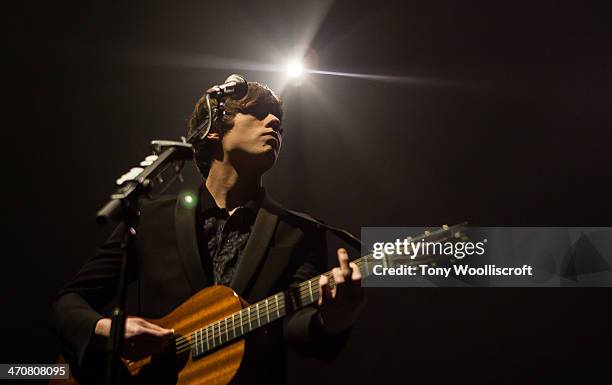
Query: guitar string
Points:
[218, 332]
[305, 291]
[186, 343]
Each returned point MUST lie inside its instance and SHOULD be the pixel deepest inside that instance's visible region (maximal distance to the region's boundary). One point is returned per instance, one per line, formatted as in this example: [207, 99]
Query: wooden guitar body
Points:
[176, 367]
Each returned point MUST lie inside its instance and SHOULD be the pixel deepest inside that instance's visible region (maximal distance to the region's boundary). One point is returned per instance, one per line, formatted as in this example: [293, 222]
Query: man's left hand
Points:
[340, 306]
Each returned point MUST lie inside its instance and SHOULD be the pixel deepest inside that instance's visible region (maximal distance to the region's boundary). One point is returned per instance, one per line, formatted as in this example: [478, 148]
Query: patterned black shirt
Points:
[226, 235]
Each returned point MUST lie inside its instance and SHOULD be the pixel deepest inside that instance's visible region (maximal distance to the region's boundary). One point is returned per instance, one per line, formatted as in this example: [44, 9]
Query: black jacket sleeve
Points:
[75, 311]
[302, 329]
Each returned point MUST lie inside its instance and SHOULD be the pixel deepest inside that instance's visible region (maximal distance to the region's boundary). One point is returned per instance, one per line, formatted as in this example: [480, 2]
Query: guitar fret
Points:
[207, 340]
[226, 331]
[267, 310]
[196, 342]
[249, 317]
[234, 325]
[212, 336]
[220, 342]
[257, 310]
[241, 327]
[310, 290]
[277, 308]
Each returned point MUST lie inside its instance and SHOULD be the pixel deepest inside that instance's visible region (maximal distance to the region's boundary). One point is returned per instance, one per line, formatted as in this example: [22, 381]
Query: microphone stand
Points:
[124, 206]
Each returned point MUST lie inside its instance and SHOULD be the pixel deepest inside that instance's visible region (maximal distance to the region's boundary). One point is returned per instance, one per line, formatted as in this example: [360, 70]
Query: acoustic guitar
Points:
[211, 325]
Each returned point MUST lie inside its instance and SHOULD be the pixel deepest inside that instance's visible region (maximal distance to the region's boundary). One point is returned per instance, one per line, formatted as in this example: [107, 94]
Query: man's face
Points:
[253, 141]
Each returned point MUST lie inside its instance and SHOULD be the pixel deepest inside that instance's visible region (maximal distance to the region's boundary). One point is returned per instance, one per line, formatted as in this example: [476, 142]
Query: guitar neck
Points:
[270, 309]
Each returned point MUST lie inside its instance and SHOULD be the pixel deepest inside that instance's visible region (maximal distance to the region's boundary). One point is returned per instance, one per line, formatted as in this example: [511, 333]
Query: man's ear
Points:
[213, 136]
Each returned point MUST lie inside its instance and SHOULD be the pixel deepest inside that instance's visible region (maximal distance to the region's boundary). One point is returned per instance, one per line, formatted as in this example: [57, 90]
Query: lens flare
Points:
[295, 69]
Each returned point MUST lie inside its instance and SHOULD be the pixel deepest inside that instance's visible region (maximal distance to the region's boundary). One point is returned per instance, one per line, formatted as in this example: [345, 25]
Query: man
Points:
[236, 236]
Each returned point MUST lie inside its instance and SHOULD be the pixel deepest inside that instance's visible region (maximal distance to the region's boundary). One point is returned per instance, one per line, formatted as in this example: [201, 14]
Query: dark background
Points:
[511, 127]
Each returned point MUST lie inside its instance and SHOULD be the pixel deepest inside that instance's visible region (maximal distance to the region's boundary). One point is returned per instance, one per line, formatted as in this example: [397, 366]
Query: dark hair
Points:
[259, 102]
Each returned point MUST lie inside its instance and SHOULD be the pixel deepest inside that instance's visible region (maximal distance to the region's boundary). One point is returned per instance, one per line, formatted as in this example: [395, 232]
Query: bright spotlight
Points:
[295, 69]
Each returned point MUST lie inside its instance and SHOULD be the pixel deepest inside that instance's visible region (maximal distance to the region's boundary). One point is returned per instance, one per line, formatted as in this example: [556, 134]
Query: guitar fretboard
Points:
[238, 324]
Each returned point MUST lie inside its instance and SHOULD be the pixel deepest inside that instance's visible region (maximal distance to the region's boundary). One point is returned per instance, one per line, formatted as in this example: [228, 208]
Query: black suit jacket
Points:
[284, 249]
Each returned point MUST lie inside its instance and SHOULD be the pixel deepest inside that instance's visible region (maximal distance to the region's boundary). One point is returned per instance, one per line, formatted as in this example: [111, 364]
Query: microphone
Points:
[235, 86]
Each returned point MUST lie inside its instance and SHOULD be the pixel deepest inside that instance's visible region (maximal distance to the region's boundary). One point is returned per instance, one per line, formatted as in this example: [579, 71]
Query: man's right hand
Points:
[142, 338]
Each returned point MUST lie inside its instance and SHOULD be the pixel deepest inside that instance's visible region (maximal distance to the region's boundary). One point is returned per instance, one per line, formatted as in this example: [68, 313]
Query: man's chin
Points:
[263, 161]
[271, 151]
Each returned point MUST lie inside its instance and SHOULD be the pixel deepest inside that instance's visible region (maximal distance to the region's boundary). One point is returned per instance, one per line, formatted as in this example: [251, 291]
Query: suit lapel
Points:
[186, 236]
[257, 246]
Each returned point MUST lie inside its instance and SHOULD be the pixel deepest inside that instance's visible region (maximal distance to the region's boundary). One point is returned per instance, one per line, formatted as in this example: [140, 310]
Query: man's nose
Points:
[273, 122]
